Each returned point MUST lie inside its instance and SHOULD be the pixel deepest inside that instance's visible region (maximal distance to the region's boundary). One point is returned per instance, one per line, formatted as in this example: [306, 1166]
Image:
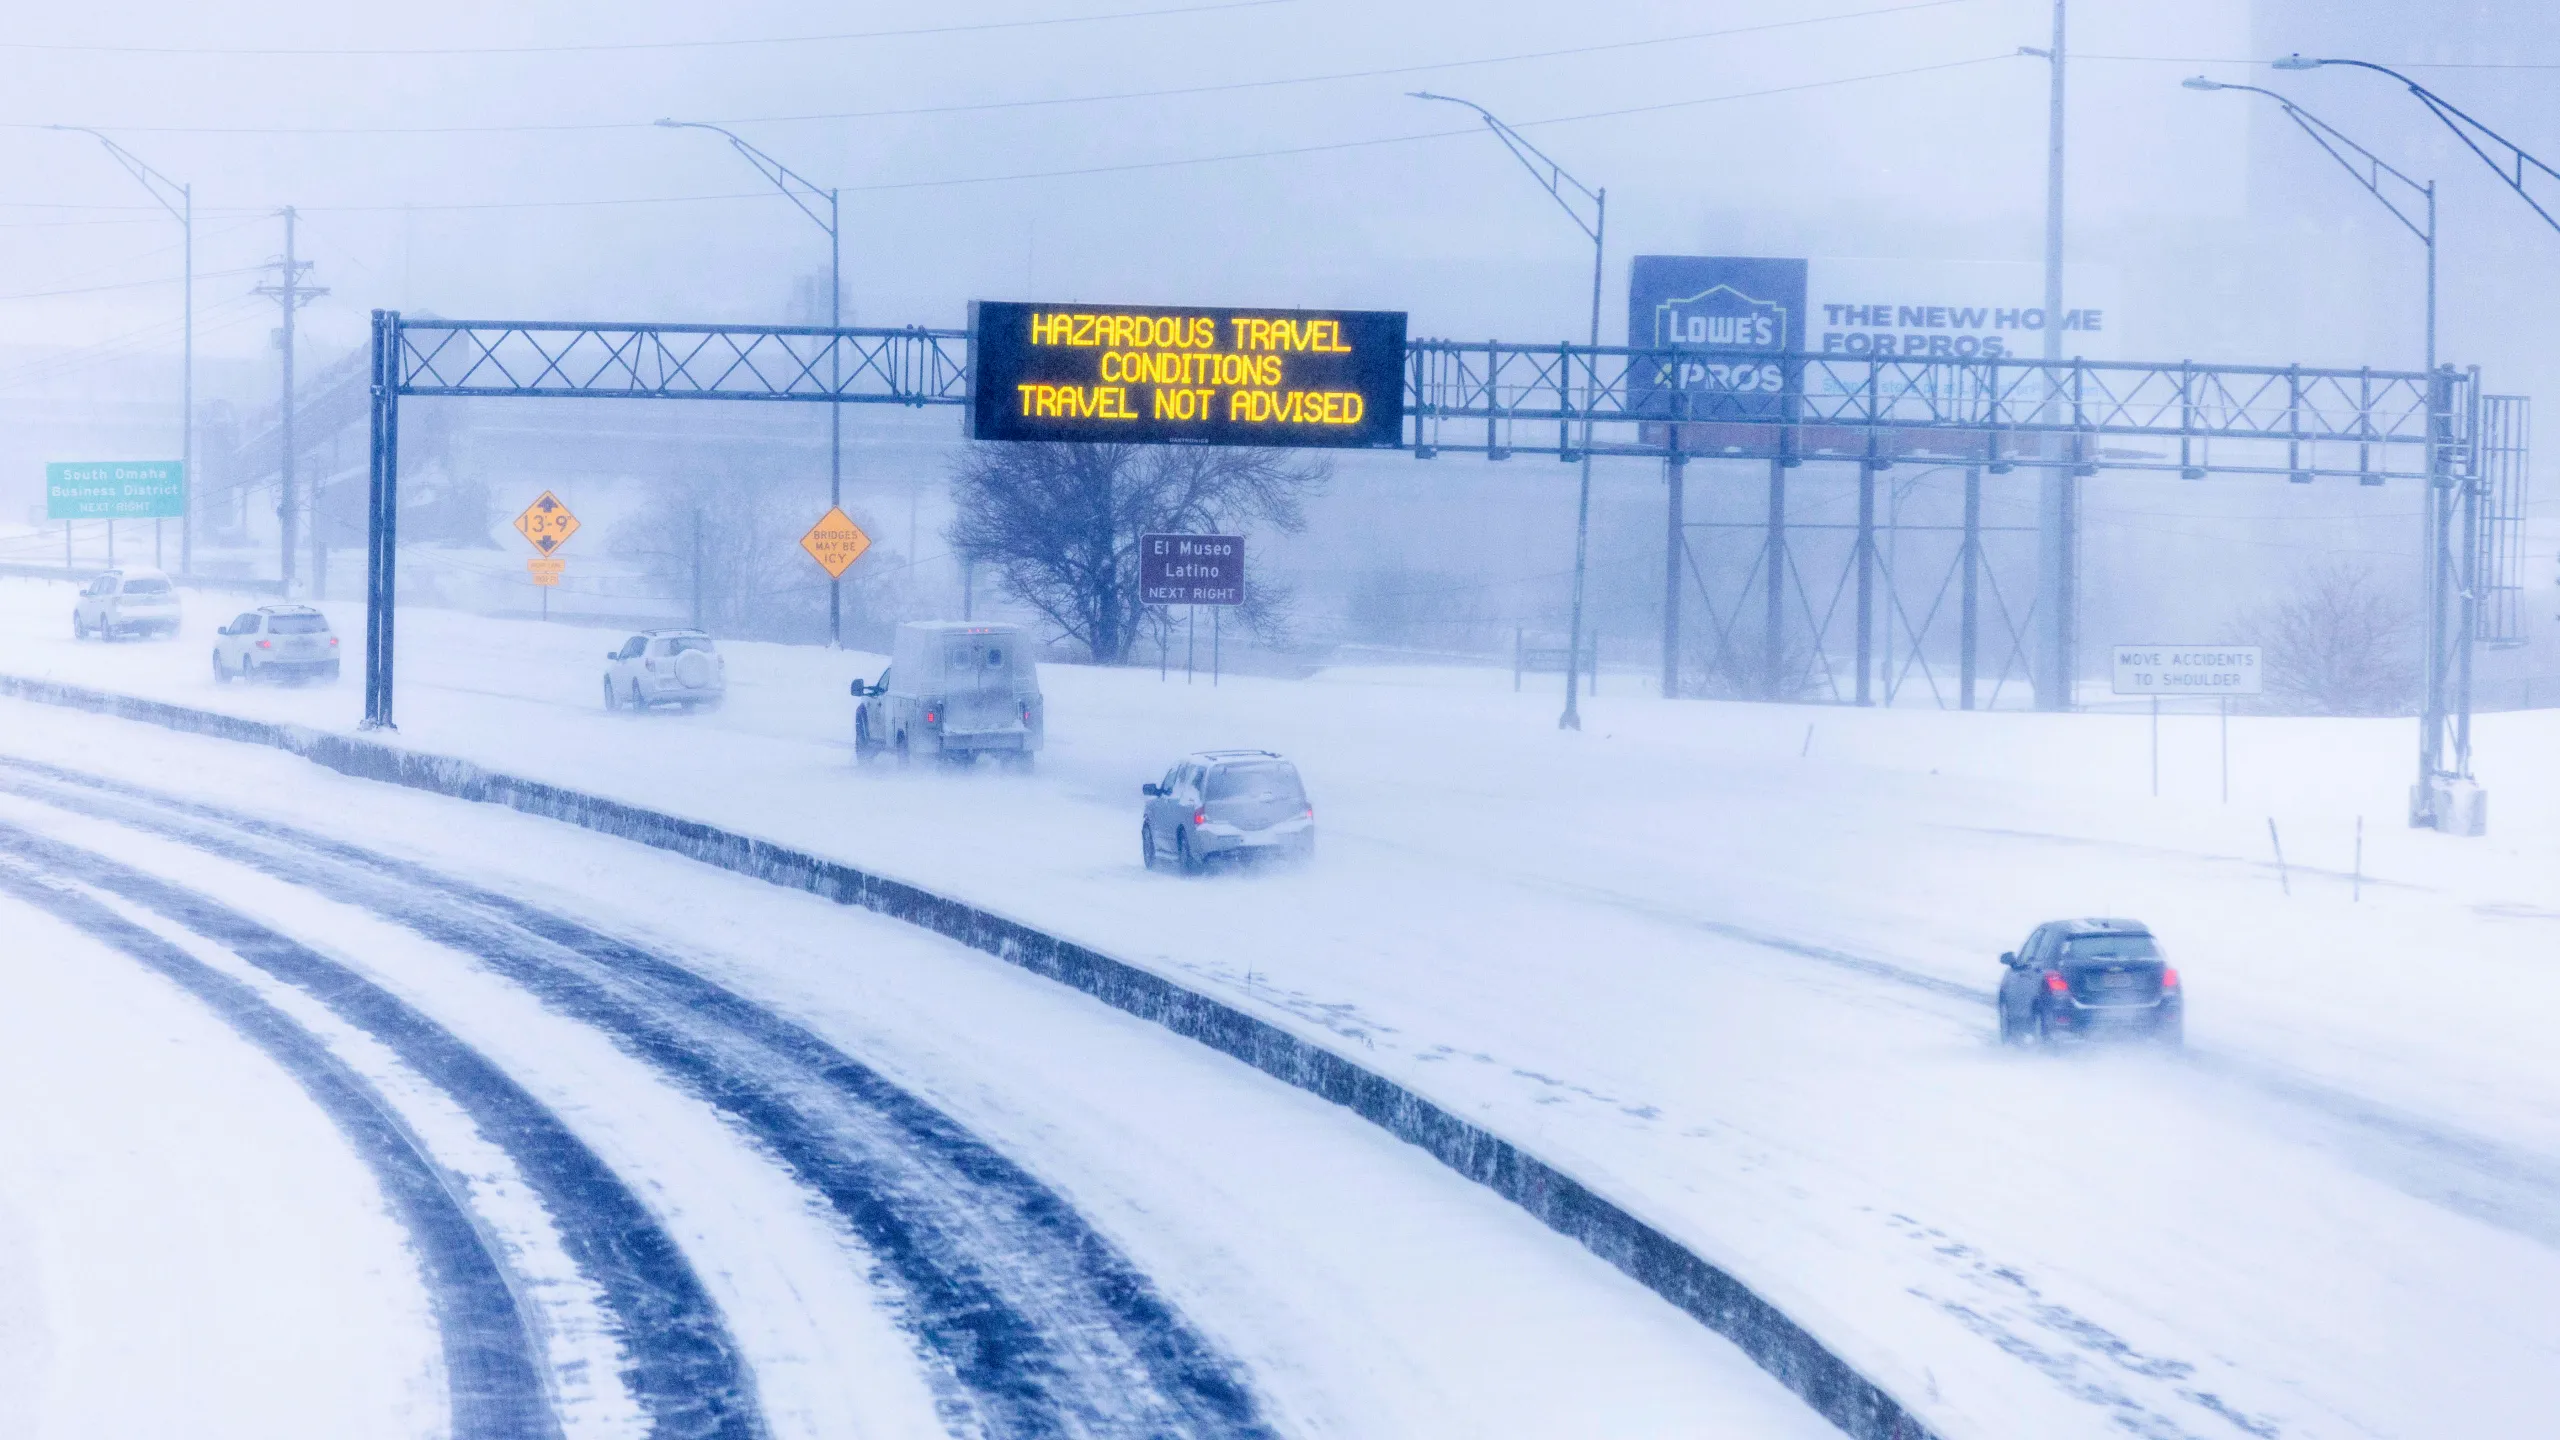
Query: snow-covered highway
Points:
[750, 1163]
[1726, 970]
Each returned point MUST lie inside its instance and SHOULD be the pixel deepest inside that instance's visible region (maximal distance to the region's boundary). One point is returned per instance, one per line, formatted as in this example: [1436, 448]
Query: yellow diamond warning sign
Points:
[547, 523]
[835, 542]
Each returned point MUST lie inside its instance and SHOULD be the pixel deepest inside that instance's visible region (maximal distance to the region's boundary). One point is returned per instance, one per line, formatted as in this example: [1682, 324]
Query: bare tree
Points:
[731, 547]
[2340, 644]
[1060, 523]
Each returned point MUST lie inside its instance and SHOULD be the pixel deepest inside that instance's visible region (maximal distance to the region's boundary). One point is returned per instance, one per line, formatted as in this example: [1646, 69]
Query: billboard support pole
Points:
[1968, 659]
[1773, 639]
[1675, 543]
[1866, 581]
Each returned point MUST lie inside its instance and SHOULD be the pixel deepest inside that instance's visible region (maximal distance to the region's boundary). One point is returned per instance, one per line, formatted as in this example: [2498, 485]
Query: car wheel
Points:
[2173, 1036]
[905, 756]
[1304, 852]
[1184, 855]
[2044, 1029]
[221, 676]
[638, 705]
[612, 701]
[1147, 844]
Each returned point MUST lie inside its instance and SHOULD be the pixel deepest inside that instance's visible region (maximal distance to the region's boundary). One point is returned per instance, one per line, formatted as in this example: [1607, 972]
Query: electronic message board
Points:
[1158, 375]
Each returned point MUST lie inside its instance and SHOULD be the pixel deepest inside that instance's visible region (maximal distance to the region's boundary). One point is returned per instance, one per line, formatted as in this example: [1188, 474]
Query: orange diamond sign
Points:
[547, 523]
[835, 542]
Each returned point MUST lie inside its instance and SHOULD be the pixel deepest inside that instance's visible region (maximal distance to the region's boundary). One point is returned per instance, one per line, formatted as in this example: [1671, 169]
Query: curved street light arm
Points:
[162, 188]
[2369, 169]
[1548, 173]
[2512, 163]
[815, 200]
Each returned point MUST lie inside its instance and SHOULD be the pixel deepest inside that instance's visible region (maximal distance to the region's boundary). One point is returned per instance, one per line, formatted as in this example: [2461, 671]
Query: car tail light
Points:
[1199, 817]
[333, 639]
[929, 717]
[1311, 812]
[266, 644]
[2054, 982]
[2168, 977]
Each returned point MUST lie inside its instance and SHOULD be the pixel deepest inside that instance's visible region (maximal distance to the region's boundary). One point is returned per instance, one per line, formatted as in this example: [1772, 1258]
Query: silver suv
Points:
[1226, 803]
[672, 667]
[276, 642]
[130, 601]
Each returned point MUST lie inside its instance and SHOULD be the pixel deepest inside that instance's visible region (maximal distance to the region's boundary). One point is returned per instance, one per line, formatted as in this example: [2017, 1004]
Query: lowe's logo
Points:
[1723, 316]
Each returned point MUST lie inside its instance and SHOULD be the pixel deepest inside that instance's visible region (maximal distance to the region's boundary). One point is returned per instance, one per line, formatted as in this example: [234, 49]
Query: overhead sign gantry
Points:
[1496, 399]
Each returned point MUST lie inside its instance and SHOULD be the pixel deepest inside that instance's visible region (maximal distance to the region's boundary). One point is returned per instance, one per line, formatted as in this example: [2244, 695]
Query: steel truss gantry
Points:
[1500, 399]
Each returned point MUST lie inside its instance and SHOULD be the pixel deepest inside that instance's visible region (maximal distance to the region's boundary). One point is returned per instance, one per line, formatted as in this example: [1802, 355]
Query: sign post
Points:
[1193, 570]
[2220, 671]
[547, 525]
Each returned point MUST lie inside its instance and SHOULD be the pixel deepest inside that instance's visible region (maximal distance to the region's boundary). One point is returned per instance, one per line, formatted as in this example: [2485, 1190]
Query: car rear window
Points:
[1261, 780]
[678, 644]
[297, 624]
[2110, 947]
[146, 585]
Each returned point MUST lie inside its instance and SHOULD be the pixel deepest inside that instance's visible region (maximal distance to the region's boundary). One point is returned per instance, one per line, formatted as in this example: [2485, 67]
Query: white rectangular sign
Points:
[2187, 670]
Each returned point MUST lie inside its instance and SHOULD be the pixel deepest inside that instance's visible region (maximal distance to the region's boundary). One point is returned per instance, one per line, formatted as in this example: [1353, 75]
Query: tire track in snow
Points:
[681, 1363]
[493, 1361]
[1034, 1322]
[2444, 1165]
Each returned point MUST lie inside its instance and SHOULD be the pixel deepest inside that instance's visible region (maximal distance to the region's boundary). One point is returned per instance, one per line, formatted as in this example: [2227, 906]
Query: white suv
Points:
[680, 667]
[276, 642]
[132, 601]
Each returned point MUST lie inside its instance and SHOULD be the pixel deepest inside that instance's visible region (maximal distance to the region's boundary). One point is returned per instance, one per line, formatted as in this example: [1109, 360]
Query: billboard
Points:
[1733, 306]
[115, 490]
[1737, 313]
[1152, 374]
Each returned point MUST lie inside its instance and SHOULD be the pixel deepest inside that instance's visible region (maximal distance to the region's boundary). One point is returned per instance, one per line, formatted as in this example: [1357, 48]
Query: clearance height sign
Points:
[1158, 375]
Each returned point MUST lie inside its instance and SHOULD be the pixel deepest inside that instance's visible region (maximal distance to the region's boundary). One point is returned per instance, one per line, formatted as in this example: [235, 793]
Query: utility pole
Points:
[2058, 497]
[291, 295]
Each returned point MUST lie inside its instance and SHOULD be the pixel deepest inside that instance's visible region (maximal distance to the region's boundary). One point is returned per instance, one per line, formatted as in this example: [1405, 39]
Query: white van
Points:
[954, 690]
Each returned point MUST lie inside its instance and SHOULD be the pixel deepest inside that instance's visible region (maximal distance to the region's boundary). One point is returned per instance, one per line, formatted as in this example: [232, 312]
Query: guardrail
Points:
[242, 584]
[1653, 1258]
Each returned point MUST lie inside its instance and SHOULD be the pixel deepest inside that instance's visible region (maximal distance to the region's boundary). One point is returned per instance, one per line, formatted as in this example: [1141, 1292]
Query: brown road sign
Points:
[547, 523]
[835, 542]
[545, 572]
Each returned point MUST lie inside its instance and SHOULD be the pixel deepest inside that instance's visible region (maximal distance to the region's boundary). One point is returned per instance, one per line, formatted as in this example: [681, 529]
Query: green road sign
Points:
[115, 490]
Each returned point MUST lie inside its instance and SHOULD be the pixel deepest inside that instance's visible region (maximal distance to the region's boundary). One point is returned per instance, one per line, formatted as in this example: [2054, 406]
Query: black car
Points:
[2091, 979]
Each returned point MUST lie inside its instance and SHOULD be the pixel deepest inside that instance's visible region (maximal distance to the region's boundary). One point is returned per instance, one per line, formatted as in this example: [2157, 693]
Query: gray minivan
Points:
[954, 690]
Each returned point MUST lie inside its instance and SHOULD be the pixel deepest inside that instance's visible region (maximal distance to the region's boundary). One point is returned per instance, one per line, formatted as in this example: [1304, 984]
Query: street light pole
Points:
[2413, 203]
[184, 212]
[2515, 167]
[806, 195]
[2058, 497]
[1552, 176]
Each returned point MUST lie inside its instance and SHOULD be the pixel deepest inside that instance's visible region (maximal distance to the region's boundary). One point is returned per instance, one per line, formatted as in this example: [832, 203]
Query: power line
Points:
[128, 284]
[625, 47]
[1174, 162]
[978, 107]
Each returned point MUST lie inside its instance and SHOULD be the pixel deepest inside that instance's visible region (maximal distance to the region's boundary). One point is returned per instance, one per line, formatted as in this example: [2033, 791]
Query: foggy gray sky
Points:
[1942, 162]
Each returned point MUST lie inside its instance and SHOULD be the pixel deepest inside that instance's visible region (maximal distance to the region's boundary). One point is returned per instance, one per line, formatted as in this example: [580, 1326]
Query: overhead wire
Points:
[610, 47]
[1174, 162]
[974, 107]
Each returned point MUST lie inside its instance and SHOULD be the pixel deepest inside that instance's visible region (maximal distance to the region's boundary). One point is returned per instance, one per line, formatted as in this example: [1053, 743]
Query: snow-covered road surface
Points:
[1721, 961]
[922, 1194]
